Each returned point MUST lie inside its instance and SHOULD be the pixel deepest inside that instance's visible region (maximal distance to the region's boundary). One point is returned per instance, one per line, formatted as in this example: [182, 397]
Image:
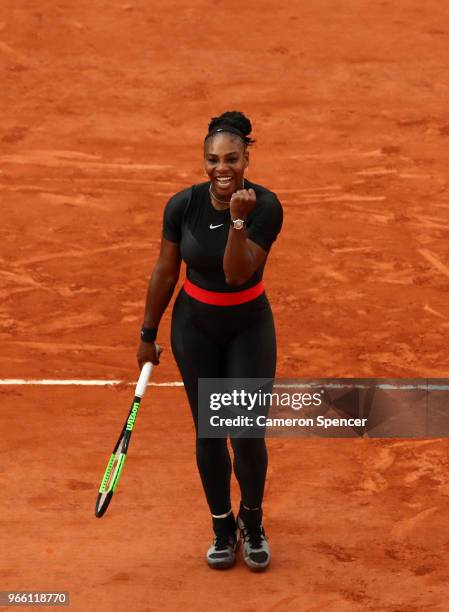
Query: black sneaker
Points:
[221, 554]
[256, 551]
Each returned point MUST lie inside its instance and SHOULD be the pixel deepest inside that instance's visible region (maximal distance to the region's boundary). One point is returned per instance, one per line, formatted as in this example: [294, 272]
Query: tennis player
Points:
[222, 324]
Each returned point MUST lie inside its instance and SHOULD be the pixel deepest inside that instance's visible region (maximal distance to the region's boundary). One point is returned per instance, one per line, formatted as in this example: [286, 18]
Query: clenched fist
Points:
[242, 203]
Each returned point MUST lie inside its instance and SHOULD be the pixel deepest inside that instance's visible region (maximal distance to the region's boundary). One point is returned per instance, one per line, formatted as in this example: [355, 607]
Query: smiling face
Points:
[225, 161]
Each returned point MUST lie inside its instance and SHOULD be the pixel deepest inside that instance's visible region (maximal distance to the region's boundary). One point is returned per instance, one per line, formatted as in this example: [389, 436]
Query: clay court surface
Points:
[104, 107]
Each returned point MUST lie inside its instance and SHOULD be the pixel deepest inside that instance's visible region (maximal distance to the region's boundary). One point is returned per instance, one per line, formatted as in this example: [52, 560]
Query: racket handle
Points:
[144, 377]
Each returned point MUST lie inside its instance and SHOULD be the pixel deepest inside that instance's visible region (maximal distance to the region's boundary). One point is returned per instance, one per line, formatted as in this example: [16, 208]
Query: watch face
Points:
[238, 223]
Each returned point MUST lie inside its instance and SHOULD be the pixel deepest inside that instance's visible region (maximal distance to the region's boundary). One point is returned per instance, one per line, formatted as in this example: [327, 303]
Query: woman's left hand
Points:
[242, 203]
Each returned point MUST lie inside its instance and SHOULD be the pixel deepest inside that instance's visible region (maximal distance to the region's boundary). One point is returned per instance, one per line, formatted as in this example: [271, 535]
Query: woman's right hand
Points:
[148, 351]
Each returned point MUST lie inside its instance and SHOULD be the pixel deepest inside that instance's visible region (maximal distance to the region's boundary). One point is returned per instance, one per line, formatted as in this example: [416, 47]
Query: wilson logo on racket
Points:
[132, 416]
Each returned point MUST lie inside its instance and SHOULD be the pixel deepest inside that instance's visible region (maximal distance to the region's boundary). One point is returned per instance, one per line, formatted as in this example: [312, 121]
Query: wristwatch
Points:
[238, 224]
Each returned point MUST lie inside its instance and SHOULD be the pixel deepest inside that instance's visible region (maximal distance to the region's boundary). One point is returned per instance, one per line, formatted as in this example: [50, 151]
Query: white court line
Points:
[383, 386]
[81, 383]
[176, 383]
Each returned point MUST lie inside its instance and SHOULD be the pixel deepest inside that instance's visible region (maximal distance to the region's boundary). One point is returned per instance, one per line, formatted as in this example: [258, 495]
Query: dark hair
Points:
[233, 122]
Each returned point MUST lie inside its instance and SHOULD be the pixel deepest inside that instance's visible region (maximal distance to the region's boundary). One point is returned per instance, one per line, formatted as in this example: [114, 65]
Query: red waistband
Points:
[217, 298]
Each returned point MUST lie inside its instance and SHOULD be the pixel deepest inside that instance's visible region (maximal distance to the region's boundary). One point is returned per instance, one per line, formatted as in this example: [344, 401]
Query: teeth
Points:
[224, 180]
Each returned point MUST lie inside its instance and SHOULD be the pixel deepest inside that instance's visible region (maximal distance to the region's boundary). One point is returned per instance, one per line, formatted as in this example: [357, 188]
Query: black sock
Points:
[251, 518]
[227, 524]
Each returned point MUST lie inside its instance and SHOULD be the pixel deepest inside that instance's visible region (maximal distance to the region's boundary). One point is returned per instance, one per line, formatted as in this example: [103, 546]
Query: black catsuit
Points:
[222, 341]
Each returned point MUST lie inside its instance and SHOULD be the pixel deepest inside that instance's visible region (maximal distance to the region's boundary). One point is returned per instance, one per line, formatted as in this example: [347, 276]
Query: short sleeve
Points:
[265, 221]
[173, 215]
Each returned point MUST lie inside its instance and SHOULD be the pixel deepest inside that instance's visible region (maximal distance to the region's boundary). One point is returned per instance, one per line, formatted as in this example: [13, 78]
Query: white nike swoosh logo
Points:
[215, 226]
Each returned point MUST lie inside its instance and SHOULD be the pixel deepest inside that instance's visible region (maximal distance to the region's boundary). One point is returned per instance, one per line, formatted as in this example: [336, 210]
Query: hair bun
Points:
[236, 120]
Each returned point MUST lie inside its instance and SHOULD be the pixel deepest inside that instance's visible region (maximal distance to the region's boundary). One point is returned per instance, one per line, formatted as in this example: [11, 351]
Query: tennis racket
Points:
[117, 459]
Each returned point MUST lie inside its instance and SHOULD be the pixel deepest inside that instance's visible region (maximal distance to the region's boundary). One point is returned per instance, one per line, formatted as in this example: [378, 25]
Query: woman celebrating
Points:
[222, 324]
